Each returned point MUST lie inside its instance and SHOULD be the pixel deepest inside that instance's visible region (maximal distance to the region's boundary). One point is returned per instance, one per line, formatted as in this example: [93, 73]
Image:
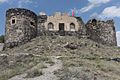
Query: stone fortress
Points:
[22, 25]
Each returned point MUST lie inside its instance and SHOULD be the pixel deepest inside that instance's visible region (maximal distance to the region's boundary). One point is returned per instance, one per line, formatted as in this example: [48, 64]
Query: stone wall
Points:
[56, 19]
[41, 24]
[21, 26]
[65, 19]
[102, 31]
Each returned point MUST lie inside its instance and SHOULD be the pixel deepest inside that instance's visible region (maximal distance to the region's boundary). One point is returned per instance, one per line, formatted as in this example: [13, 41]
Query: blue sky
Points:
[101, 9]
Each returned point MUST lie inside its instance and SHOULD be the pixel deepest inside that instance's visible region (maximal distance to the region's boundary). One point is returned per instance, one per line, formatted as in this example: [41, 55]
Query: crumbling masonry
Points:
[22, 25]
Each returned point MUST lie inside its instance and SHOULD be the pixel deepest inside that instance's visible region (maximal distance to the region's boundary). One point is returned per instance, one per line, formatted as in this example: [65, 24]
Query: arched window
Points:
[94, 21]
[50, 26]
[72, 27]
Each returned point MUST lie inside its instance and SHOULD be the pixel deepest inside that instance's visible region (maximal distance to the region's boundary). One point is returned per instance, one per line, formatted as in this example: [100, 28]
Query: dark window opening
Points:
[13, 21]
[94, 22]
[32, 23]
[114, 28]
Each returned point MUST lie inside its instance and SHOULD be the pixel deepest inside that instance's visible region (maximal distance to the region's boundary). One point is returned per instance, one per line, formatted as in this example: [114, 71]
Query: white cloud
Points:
[21, 3]
[2, 1]
[99, 1]
[108, 13]
[98, 16]
[94, 15]
[111, 12]
[87, 8]
[118, 37]
[92, 4]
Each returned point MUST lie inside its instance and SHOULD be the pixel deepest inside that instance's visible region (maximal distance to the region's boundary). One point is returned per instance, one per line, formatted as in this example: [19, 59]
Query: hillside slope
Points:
[72, 59]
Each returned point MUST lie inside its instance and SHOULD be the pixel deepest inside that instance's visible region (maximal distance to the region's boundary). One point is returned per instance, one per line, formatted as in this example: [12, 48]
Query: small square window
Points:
[13, 20]
[31, 23]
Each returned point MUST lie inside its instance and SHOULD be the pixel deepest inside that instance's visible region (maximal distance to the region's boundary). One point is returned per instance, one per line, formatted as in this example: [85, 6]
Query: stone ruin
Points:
[22, 25]
[102, 31]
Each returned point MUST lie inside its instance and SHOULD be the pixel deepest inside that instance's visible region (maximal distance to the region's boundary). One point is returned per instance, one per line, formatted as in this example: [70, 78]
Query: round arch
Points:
[72, 27]
[50, 26]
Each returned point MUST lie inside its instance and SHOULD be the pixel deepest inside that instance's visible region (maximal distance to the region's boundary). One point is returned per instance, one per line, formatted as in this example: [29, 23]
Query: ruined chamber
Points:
[102, 31]
[60, 24]
[21, 26]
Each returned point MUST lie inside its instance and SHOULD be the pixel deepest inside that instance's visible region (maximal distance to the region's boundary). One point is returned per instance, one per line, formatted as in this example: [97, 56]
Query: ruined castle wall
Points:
[21, 26]
[82, 28]
[102, 32]
[67, 20]
[55, 21]
[41, 24]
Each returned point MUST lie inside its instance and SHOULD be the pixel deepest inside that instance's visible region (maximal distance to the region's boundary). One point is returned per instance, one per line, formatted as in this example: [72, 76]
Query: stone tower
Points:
[102, 31]
[21, 26]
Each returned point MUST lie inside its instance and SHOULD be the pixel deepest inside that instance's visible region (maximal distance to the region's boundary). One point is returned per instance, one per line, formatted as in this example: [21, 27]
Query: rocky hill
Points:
[60, 58]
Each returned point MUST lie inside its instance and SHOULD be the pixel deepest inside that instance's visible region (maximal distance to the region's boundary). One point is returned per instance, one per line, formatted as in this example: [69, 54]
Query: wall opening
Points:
[94, 22]
[50, 26]
[61, 27]
[32, 23]
[13, 20]
[72, 27]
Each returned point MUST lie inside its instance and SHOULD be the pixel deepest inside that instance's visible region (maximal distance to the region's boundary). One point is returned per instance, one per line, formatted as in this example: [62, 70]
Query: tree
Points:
[2, 39]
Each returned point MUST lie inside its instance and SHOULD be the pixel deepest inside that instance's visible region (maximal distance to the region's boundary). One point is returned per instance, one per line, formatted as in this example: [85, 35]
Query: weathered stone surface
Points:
[102, 31]
[3, 60]
[41, 24]
[1, 46]
[21, 26]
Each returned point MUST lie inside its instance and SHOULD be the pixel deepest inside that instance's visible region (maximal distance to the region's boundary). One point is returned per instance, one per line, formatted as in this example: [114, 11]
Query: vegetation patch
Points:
[34, 73]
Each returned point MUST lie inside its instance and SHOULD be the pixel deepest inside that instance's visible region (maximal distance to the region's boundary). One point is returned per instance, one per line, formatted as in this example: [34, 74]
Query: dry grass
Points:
[86, 69]
[86, 60]
[21, 67]
[34, 73]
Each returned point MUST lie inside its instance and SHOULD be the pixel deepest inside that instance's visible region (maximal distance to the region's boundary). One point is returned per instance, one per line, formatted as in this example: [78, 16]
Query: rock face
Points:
[102, 31]
[21, 26]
